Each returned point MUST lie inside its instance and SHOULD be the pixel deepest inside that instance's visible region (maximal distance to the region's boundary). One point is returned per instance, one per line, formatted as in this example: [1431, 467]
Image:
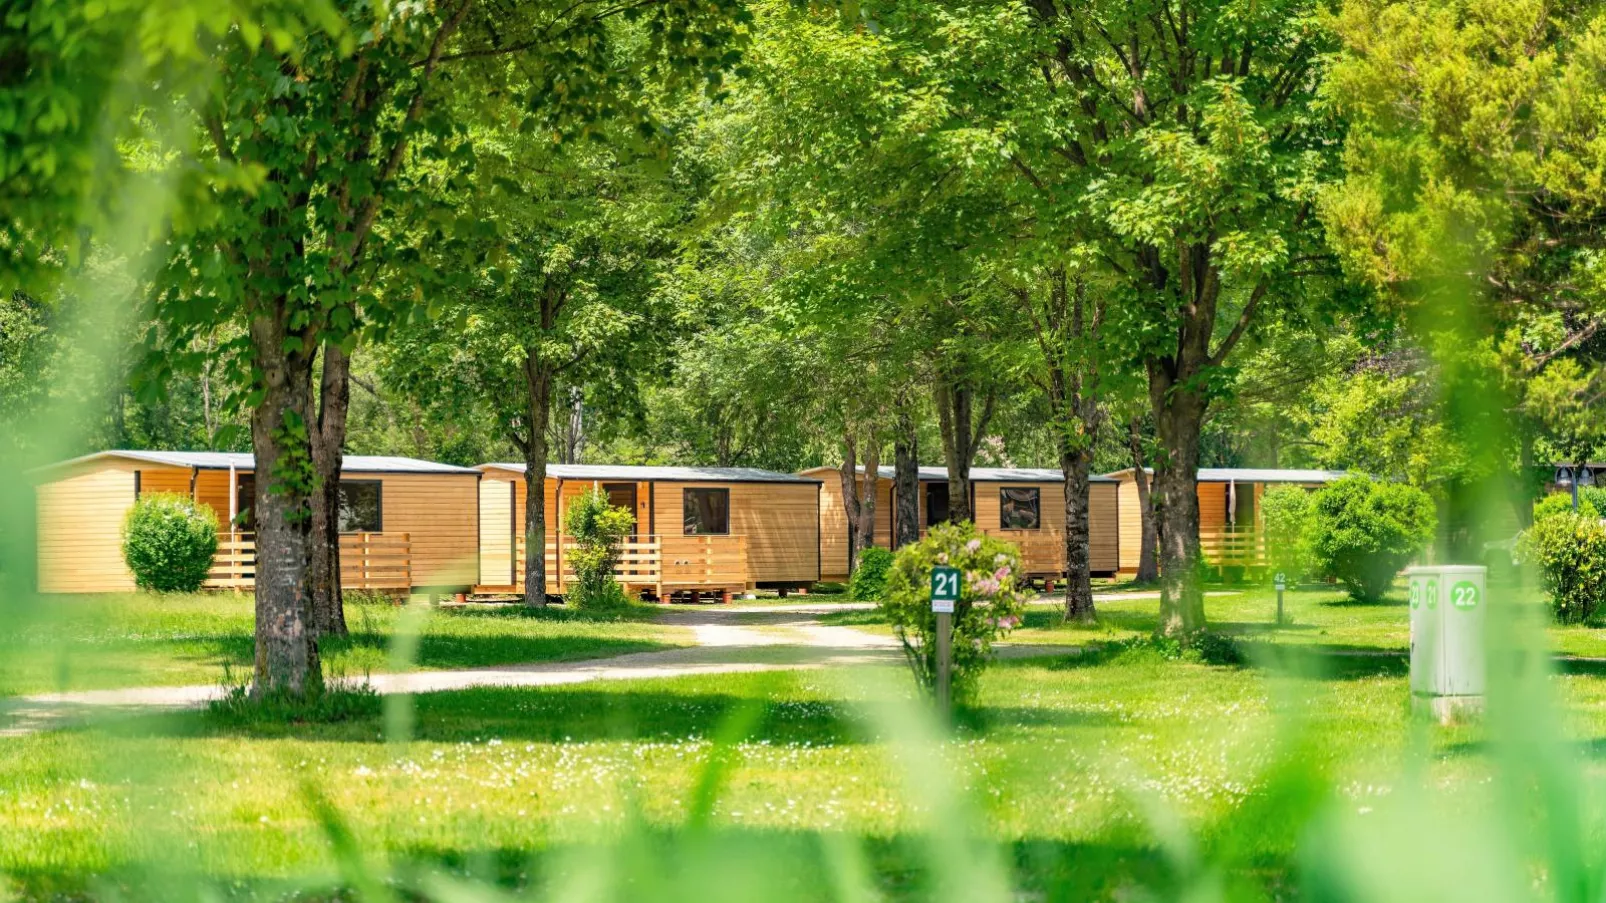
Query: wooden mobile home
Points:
[1023, 505]
[406, 524]
[698, 529]
[1231, 530]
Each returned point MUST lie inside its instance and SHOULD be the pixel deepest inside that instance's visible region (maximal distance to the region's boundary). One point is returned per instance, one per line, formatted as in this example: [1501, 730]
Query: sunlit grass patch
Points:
[142, 639]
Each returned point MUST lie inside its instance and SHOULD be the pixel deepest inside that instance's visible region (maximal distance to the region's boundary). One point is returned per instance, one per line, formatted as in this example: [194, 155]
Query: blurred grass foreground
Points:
[1362, 235]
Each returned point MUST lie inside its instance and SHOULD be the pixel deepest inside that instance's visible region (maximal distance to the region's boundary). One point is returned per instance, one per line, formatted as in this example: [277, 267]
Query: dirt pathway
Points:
[729, 640]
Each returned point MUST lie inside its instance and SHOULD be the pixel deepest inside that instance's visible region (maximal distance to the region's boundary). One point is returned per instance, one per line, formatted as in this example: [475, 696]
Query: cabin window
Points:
[362, 508]
[1020, 508]
[936, 503]
[707, 511]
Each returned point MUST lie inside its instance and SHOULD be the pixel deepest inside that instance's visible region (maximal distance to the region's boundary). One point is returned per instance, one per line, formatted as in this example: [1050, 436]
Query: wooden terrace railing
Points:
[1232, 546]
[371, 561]
[660, 563]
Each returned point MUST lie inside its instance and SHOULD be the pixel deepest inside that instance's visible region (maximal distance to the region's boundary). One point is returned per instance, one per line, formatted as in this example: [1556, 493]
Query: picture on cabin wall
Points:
[1020, 508]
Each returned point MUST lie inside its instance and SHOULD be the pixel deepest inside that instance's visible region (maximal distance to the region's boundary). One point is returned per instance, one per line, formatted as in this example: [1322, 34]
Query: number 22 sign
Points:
[944, 589]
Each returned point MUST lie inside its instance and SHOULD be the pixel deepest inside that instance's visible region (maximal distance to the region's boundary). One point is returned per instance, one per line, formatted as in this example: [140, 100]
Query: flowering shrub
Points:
[990, 604]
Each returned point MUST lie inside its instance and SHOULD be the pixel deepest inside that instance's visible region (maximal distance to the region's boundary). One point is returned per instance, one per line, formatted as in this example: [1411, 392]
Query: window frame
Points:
[379, 504]
[1037, 492]
[686, 505]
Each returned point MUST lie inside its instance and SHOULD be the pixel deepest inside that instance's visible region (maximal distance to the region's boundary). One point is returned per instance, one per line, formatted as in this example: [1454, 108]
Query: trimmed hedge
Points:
[169, 543]
[1363, 532]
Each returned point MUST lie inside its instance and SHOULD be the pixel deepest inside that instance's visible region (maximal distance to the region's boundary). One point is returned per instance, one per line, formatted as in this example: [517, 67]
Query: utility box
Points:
[1448, 611]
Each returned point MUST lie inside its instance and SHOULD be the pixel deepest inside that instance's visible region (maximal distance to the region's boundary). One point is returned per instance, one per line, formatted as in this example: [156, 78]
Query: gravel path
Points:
[730, 640]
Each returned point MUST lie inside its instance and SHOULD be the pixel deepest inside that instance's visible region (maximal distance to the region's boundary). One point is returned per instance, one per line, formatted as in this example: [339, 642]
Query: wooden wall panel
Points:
[440, 514]
[212, 490]
[154, 478]
[1104, 551]
[80, 528]
[1129, 519]
[496, 531]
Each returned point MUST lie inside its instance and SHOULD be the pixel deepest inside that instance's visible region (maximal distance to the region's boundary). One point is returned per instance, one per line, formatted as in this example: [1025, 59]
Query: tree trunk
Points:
[538, 378]
[869, 489]
[328, 445]
[1179, 417]
[286, 643]
[848, 476]
[960, 436]
[1148, 566]
[906, 481]
[1076, 464]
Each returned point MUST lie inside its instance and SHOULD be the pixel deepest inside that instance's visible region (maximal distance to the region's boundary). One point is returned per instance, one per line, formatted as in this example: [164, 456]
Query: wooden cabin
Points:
[1231, 530]
[406, 524]
[698, 529]
[1022, 505]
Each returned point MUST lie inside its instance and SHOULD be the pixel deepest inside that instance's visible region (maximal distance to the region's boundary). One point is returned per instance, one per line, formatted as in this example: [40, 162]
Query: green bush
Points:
[1364, 532]
[869, 580]
[169, 542]
[990, 601]
[1570, 553]
[597, 528]
[1287, 512]
[1562, 503]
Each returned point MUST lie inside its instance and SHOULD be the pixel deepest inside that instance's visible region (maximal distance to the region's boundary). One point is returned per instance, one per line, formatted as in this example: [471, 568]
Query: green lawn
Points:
[1320, 618]
[1062, 762]
[94, 642]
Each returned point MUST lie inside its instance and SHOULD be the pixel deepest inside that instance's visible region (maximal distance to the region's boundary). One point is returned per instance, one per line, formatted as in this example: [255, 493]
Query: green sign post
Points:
[944, 593]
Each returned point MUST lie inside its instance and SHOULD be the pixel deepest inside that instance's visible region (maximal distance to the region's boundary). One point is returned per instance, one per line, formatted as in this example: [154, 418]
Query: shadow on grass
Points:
[561, 714]
[1335, 662]
[798, 866]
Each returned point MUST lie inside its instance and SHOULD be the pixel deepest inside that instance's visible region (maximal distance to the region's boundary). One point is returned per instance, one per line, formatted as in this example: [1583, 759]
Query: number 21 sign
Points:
[944, 589]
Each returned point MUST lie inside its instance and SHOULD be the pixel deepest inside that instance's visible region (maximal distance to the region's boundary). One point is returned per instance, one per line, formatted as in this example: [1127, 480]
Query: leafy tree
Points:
[328, 158]
[1471, 203]
[578, 232]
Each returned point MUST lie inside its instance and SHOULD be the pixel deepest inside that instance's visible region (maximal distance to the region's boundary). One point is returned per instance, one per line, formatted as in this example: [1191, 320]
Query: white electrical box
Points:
[1448, 611]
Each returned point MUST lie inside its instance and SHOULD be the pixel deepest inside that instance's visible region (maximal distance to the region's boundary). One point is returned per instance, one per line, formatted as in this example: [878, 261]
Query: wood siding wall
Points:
[1105, 523]
[780, 520]
[80, 529]
[81, 516]
[833, 528]
[496, 532]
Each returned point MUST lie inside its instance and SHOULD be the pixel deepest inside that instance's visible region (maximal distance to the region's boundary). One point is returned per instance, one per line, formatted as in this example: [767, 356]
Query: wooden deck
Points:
[381, 562]
[659, 565]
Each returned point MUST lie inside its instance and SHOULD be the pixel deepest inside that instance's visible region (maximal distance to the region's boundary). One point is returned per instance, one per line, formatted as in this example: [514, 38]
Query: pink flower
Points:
[973, 546]
[1001, 574]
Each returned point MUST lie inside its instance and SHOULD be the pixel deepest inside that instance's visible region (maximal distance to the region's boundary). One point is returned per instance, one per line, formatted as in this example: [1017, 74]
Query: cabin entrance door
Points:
[623, 495]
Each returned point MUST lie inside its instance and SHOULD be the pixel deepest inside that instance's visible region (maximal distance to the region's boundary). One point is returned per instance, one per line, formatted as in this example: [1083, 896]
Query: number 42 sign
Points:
[944, 589]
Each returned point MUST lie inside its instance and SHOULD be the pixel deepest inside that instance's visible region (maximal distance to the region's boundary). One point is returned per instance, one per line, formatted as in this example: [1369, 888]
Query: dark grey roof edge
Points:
[391, 464]
[653, 473]
[984, 474]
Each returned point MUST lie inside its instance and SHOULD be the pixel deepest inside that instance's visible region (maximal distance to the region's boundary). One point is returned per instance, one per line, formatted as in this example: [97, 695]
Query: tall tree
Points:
[1471, 205]
[326, 153]
[1067, 318]
[577, 233]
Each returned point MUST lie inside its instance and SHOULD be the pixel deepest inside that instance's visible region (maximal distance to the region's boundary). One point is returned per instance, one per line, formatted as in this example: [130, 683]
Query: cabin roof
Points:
[1252, 475]
[648, 474]
[980, 474]
[209, 460]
